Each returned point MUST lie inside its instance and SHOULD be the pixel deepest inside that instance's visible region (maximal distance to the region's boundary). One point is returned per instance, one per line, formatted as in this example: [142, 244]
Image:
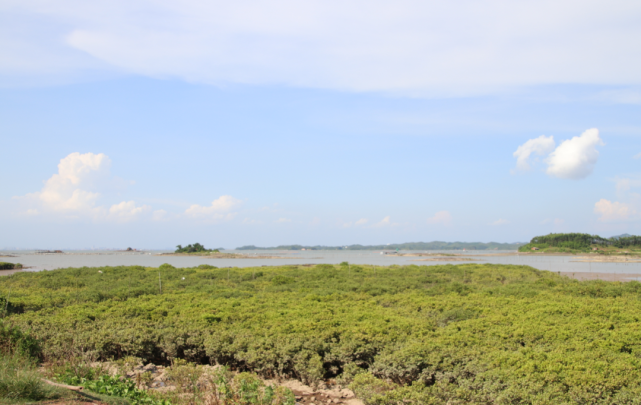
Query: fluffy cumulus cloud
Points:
[573, 159]
[441, 217]
[126, 211]
[538, 146]
[74, 191]
[219, 209]
[67, 190]
[576, 157]
[613, 211]
[393, 46]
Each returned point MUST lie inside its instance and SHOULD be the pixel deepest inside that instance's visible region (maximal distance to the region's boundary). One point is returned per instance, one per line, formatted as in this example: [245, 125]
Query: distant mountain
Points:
[437, 245]
[623, 235]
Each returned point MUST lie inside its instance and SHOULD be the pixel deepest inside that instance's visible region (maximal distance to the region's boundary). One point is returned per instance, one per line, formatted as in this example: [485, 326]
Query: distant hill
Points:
[623, 235]
[437, 245]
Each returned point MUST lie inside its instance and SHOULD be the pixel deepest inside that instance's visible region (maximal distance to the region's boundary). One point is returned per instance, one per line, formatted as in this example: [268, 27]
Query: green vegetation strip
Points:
[469, 333]
[10, 266]
[583, 243]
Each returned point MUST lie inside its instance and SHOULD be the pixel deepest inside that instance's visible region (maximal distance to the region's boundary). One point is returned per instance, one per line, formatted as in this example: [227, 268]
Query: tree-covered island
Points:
[575, 243]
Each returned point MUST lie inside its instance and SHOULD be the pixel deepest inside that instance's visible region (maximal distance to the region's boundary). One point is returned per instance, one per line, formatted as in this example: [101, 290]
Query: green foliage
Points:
[15, 341]
[20, 380]
[471, 333]
[195, 248]
[116, 387]
[9, 266]
[370, 389]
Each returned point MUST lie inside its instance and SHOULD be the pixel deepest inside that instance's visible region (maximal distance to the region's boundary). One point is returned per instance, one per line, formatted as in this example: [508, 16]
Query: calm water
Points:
[38, 262]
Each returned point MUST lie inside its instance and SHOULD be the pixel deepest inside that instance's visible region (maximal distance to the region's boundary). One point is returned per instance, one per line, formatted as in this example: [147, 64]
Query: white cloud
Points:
[499, 222]
[408, 46]
[575, 158]
[625, 184]
[315, 221]
[67, 189]
[126, 211]
[73, 192]
[441, 217]
[361, 221]
[283, 220]
[538, 146]
[159, 215]
[384, 222]
[637, 156]
[218, 206]
[609, 211]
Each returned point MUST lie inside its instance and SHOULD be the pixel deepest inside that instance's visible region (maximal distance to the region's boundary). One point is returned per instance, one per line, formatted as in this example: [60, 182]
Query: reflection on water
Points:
[565, 264]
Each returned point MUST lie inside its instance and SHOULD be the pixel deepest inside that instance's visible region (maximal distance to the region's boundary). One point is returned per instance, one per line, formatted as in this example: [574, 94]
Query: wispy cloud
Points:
[538, 146]
[387, 221]
[441, 217]
[390, 48]
[499, 222]
[613, 211]
[219, 205]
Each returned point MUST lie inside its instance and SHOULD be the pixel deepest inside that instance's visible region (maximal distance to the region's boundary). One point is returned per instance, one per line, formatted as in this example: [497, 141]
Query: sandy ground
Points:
[602, 276]
[9, 272]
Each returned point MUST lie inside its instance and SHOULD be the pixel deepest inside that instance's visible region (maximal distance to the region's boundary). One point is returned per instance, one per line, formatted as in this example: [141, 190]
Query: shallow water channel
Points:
[565, 264]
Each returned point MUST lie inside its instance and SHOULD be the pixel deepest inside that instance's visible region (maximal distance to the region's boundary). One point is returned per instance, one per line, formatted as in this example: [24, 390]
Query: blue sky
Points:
[150, 124]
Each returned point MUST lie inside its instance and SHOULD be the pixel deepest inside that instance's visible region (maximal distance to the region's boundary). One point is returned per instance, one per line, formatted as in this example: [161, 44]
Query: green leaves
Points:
[473, 333]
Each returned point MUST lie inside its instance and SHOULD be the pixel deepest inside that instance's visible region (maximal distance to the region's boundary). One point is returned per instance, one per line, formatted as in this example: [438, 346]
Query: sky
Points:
[153, 123]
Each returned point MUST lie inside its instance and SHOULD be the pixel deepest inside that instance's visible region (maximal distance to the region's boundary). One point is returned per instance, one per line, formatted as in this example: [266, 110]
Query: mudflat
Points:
[220, 255]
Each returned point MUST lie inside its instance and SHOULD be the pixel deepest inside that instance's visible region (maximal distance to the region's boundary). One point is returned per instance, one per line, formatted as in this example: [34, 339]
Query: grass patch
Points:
[20, 381]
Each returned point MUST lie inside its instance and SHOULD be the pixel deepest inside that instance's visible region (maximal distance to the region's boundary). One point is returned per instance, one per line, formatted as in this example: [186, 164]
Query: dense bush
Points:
[472, 333]
[195, 248]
